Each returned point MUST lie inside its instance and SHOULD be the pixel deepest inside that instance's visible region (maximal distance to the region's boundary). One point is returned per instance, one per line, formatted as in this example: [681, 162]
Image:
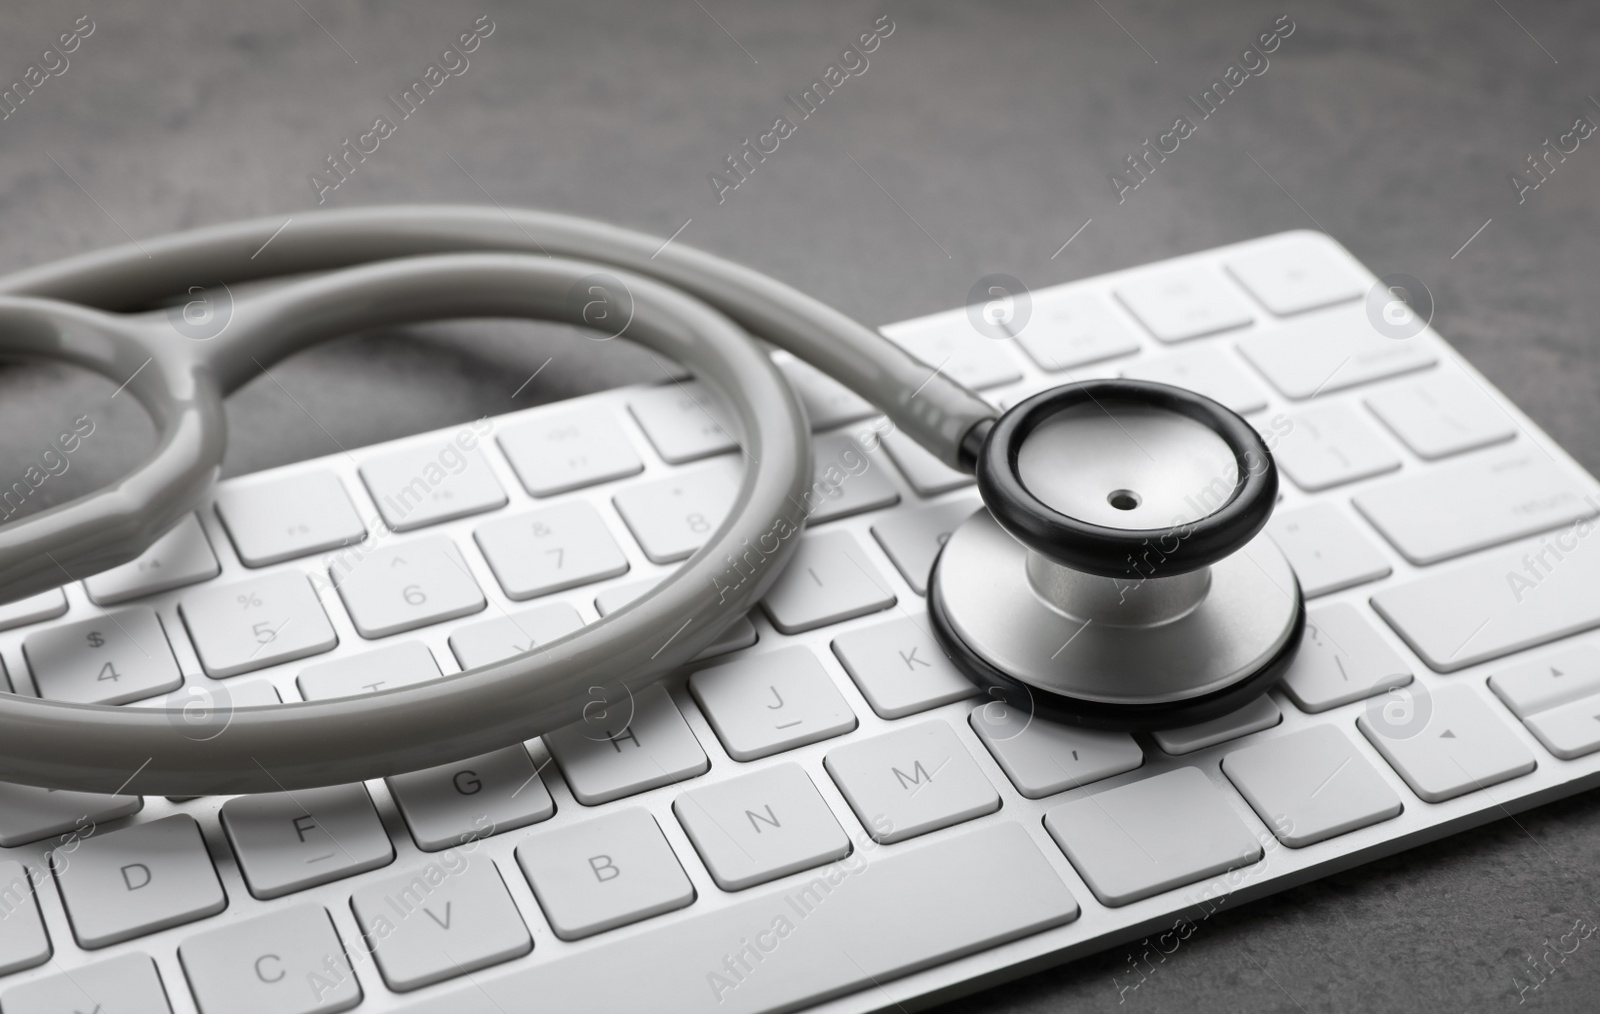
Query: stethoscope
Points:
[1119, 578]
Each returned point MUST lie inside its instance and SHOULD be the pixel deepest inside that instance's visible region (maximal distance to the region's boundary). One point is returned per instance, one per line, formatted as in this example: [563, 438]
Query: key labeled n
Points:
[756, 819]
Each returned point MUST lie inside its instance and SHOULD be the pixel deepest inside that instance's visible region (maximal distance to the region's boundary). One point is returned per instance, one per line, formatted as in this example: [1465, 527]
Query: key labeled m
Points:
[919, 776]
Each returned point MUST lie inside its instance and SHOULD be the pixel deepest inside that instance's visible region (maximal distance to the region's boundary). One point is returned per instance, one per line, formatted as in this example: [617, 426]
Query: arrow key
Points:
[1571, 730]
[1451, 743]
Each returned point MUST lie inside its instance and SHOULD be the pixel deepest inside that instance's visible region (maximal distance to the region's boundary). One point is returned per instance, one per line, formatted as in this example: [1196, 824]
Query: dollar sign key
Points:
[95, 639]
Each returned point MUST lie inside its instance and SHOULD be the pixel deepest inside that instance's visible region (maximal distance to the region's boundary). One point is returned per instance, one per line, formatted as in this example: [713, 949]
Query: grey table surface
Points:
[978, 139]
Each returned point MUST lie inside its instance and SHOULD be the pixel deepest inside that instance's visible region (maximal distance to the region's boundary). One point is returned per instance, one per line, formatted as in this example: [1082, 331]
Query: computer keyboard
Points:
[820, 811]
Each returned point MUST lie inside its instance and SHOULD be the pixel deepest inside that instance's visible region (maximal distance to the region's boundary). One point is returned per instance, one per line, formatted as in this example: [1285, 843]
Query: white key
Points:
[927, 474]
[550, 550]
[403, 587]
[512, 634]
[1342, 659]
[1311, 785]
[1331, 350]
[289, 961]
[949, 344]
[911, 781]
[1295, 273]
[29, 813]
[249, 625]
[1569, 730]
[448, 918]
[433, 482]
[909, 912]
[1177, 304]
[395, 665]
[1070, 328]
[1494, 605]
[458, 802]
[764, 704]
[23, 943]
[1259, 714]
[828, 403]
[138, 880]
[684, 421]
[1442, 415]
[914, 536]
[1330, 446]
[554, 452]
[1475, 503]
[671, 518]
[845, 480]
[1450, 743]
[740, 634]
[828, 580]
[762, 826]
[1149, 836]
[1326, 550]
[33, 609]
[278, 519]
[1537, 684]
[108, 659]
[180, 557]
[900, 669]
[604, 872]
[627, 746]
[1042, 758]
[1211, 372]
[289, 841]
[126, 984]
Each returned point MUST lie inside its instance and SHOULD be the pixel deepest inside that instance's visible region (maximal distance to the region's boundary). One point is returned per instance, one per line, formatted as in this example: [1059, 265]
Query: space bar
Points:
[881, 914]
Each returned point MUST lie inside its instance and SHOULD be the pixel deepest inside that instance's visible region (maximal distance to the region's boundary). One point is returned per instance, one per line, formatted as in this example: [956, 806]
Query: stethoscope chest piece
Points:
[1120, 577]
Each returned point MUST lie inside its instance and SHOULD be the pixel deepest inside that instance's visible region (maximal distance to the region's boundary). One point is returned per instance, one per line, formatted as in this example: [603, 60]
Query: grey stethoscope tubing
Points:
[387, 266]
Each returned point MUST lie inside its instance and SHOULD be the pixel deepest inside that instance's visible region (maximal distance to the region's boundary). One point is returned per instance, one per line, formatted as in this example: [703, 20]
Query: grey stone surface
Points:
[994, 128]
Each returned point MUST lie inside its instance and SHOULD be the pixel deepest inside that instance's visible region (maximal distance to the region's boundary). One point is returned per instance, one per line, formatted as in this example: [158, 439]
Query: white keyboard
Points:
[821, 812]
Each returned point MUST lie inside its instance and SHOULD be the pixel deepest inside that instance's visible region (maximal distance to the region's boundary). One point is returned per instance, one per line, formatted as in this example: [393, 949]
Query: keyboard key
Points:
[911, 781]
[289, 961]
[138, 880]
[512, 634]
[127, 984]
[844, 480]
[897, 919]
[1342, 659]
[1149, 836]
[828, 403]
[554, 452]
[764, 704]
[458, 802]
[1326, 550]
[1461, 746]
[761, 826]
[913, 537]
[249, 625]
[1211, 372]
[949, 344]
[407, 586]
[740, 634]
[180, 557]
[900, 669]
[286, 517]
[1555, 678]
[1442, 415]
[603, 873]
[33, 609]
[684, 421]
[1494, 605]
[1292, 274]
[29, 813]
[1069, 328]
[108, 659]
[448, 918]
[23, 942]
[550, 550]
[627, 747]
[289, 841]
[1330, 446]
[827, 581]
[1475, 503]
[1261, 713]
[1311, 785]
[671, 518]
[396, 665]
[927, 474]
[428, 483]
[1042, 758]
[1568, 730]
[1331, 351]
[1177, 304]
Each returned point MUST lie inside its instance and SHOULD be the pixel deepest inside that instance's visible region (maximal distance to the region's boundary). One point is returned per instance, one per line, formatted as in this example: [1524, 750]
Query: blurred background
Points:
[979, 138]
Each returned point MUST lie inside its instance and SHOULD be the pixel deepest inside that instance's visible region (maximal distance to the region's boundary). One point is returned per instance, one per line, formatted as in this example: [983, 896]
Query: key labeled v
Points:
[443, 923]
